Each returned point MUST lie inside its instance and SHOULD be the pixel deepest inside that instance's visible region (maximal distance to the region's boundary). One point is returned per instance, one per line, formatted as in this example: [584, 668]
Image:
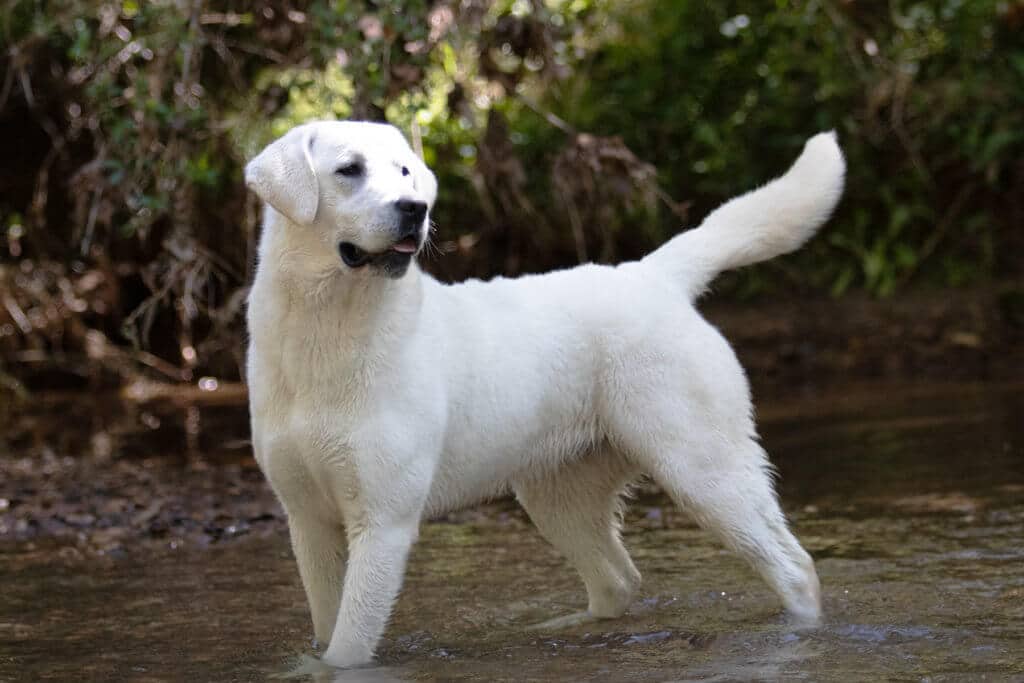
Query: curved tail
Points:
[771, 220]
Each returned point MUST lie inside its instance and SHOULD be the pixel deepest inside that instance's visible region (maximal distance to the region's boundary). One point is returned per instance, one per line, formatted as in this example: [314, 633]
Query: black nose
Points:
[412, 209]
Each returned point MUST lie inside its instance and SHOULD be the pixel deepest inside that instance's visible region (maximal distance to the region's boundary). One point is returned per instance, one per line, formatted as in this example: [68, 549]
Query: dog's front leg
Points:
[376, 562]
[318, 548]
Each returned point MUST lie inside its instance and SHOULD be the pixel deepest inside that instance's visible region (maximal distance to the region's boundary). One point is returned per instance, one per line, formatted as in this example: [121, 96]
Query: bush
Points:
[561, 131]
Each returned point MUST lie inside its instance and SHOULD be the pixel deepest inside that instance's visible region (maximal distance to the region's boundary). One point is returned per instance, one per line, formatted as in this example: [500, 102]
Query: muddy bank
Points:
[137, 459]
[161, 466]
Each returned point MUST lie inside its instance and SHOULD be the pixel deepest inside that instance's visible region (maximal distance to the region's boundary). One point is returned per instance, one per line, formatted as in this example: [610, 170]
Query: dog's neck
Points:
[298, 283]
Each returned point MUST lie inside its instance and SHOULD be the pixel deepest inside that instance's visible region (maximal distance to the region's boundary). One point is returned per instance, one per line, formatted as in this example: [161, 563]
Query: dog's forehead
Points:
[361, 137]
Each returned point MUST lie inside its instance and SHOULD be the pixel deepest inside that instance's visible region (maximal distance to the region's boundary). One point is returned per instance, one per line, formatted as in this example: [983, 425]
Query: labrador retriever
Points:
[380, 397]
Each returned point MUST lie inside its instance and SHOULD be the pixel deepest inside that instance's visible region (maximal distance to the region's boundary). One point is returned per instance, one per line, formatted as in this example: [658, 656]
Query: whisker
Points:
[429, 247]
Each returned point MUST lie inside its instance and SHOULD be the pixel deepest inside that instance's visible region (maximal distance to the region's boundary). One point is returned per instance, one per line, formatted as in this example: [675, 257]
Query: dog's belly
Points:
[471, 473]
[495, 435]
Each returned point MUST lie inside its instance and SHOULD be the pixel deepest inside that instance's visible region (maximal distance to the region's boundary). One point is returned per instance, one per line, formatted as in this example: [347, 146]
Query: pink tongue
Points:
[406, 246]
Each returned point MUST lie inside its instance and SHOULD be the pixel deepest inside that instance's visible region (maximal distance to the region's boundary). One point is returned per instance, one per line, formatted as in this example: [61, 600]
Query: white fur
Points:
[377, 401]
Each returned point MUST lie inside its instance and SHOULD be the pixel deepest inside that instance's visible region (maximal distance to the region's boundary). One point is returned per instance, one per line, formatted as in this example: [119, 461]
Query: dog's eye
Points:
[405, 171]
[350, 170]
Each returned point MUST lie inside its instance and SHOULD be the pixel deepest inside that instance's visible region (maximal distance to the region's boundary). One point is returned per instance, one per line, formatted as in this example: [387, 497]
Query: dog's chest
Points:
[307, 457]
[297, 430]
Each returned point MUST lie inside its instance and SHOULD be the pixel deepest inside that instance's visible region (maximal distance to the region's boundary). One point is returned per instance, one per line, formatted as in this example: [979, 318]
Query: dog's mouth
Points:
[355, 257]
[409, 245]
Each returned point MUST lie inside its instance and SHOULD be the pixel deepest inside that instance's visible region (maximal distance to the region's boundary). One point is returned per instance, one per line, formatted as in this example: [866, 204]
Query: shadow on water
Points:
[911, 499]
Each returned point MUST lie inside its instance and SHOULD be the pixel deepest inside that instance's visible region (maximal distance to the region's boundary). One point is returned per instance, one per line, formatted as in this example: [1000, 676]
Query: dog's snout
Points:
[412, 208]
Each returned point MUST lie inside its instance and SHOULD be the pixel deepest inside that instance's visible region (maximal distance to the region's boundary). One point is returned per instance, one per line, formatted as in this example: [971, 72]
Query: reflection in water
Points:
[309, 668]
[789, 656]
[911, 501]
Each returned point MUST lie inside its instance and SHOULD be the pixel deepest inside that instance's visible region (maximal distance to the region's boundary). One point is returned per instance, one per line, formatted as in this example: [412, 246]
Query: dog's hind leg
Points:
[730, 494]
[681, 411]
[577, 508]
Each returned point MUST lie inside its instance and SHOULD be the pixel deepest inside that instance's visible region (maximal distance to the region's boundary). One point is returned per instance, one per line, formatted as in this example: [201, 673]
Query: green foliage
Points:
[560, 130]
[927, 97]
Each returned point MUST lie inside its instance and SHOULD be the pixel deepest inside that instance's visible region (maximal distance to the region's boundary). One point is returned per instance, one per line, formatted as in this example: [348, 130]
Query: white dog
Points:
[380, 396]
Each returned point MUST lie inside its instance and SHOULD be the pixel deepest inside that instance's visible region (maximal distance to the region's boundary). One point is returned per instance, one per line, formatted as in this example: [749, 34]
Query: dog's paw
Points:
[804, 619]
[563, 622]
[309, 668]
[350, 657]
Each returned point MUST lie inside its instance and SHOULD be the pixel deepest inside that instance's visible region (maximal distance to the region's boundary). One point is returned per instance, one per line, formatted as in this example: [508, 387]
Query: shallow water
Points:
[911, 499]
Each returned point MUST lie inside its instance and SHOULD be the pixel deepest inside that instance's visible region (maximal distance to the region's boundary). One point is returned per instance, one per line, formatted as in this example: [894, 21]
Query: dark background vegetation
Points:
[561, 131]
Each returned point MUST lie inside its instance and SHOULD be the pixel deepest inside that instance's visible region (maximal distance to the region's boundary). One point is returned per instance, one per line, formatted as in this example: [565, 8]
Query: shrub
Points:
[561, 131]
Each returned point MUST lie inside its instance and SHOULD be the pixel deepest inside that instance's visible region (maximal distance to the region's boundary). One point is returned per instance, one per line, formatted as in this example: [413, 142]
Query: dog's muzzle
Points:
[395, 259]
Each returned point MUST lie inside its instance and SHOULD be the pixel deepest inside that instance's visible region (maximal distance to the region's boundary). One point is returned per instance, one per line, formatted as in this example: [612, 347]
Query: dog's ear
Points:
[283, 175]
[426, 183]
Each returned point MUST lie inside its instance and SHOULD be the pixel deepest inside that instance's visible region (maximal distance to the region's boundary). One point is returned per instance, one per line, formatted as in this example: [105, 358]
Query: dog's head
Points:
[358, 186]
